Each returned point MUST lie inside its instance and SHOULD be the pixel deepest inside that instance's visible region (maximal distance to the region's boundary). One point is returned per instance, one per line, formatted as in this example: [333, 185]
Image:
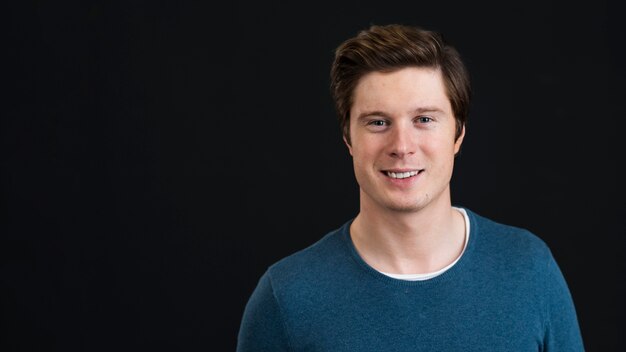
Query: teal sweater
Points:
[506, 293]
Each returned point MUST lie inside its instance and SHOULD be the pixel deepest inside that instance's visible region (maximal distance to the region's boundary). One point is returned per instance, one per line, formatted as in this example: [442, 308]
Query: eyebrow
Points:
[419, 110]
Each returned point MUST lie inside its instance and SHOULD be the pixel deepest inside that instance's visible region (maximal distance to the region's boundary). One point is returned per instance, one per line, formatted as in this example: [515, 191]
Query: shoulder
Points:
[312, 263]
[507, 242]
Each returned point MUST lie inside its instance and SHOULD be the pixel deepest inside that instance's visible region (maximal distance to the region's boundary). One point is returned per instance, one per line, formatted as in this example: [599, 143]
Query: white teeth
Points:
[401, 174]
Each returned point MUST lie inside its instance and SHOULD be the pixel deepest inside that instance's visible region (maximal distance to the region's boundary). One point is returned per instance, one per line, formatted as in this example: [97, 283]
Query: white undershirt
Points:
[426, 276]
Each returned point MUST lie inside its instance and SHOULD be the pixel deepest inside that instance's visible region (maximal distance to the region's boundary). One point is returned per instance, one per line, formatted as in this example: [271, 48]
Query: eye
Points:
[424, 119]
[377, 123]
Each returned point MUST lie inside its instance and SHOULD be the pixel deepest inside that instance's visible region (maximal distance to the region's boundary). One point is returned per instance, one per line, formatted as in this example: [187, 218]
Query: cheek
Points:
[364, 157]
[359, 157]
[362, 147]
[433, 147]
[442, 150]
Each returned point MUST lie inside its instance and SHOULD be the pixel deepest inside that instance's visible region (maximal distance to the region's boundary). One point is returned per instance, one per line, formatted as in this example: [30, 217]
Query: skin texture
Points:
[402, 121]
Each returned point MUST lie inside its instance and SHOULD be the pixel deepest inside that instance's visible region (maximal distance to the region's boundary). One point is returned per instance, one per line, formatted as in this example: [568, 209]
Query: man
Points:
[410, 272]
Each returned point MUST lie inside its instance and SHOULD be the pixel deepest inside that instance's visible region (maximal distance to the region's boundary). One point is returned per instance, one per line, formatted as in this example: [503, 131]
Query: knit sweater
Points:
[506, 293]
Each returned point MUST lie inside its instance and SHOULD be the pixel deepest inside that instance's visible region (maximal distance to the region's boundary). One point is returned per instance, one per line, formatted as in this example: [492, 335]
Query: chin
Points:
[405, 207]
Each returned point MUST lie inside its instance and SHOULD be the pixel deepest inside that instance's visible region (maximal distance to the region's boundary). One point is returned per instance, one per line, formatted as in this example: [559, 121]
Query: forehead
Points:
[405, 89]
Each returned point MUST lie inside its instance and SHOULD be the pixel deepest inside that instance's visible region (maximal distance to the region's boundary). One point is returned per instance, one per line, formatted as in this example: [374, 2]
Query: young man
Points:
[410, 272]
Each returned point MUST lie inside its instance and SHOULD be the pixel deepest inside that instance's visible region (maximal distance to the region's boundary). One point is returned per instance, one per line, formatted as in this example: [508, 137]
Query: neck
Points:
[409, 242]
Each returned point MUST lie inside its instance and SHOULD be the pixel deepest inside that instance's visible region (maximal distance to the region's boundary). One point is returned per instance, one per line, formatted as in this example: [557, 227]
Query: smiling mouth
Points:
[402, 175]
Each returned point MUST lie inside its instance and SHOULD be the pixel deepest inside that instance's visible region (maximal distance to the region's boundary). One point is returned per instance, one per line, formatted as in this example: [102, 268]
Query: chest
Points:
[444, 318]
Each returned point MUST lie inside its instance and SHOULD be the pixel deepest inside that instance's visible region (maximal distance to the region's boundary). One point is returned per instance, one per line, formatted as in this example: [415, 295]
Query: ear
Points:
[459, 141]
[347, 144]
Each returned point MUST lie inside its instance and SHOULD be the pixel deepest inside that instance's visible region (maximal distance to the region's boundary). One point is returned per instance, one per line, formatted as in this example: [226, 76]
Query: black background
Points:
[157, 157]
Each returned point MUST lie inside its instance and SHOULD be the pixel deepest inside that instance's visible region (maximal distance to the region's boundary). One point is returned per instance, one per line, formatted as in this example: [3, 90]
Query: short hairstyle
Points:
[392, 47]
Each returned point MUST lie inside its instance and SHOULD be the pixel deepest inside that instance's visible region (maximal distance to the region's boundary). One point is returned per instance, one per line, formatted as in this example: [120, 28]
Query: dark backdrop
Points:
[157, 157]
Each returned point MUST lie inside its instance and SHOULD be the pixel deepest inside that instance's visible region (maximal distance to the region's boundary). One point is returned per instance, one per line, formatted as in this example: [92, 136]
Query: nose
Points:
[401, 142]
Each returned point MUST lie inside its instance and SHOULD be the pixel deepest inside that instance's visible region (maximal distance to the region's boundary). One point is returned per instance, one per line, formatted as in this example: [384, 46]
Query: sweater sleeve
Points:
[262, 326]
[562, 330]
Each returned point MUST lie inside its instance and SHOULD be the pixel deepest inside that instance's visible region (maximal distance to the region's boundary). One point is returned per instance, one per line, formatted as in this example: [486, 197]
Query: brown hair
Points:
[392, 47]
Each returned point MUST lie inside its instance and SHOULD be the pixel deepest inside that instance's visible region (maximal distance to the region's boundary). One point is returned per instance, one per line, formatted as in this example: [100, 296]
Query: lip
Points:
[401, 170]
[416, 172]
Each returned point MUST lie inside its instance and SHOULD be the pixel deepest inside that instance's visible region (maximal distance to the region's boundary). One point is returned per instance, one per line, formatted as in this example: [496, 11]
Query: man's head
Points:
[390, 48]
[402, 96]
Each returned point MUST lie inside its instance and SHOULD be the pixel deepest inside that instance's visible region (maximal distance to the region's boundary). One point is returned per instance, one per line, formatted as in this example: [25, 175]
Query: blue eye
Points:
[377, 125]
[424, 119]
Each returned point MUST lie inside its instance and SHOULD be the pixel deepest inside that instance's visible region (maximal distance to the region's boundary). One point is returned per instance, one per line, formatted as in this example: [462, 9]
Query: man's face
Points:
[402, 133]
